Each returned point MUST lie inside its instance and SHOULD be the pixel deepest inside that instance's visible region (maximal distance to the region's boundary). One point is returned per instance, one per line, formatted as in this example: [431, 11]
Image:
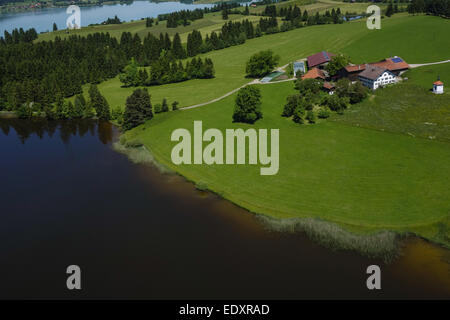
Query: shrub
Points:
[291, 105]
[261, 63]
[323, 113]
[299, 113]
[311, 117]
[248, 105]
[158, 108]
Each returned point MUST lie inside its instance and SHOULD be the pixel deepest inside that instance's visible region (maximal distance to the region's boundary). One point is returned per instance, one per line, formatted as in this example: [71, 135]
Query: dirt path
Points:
[427, 64]
[256, 81]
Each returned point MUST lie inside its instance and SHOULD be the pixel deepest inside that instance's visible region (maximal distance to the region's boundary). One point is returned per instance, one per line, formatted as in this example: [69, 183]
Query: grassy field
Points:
[410, 107]
[405, 108]
[426, 75]
[363, 179]
[399, 35]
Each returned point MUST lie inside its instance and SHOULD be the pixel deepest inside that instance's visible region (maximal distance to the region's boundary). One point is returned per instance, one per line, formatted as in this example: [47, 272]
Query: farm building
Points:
[396, 65]
[299, 66]
[319, 59]
[438, 87]
[315, 73]
[328, 87]
[373, 77]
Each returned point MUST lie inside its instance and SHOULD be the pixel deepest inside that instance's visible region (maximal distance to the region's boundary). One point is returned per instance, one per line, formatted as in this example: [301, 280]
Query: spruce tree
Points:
[138, 109]
[99, 103]
[164, 107]
[177, 48]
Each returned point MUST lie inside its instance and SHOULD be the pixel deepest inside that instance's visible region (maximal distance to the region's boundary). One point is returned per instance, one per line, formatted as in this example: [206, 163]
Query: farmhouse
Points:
[352, 71]
[396, 65]
[374, 77]
[319, 59]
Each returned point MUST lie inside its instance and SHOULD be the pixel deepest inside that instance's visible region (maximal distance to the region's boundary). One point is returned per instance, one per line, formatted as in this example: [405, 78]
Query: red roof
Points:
[314, 73]
[319, 58]
[328, 85]
[392, 64]
[355, 68]
[438, 83]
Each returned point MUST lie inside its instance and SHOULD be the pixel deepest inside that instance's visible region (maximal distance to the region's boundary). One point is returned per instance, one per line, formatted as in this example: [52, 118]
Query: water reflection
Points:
[66, 129]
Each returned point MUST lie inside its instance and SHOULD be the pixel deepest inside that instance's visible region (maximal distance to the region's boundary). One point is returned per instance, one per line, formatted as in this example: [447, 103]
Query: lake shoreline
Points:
[382, 244]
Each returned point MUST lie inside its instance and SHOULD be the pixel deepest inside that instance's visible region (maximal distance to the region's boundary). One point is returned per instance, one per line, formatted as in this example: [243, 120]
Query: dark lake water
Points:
[42, 19]
[68, 198]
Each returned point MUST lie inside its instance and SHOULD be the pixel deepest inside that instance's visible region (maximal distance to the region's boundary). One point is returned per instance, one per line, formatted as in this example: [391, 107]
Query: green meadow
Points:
[426, 75]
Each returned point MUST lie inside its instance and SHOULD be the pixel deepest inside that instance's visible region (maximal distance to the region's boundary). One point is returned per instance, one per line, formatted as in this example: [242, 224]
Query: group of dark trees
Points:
[301, 106]
[247, 107]
[114, 20]
[138, 109]
[149, 22]
[61, 109]
[393, 8]
[18, 35]
[184, 17]
[38, 72]
[434, 7]
[167, 70]
[296, 18]
[231, 34]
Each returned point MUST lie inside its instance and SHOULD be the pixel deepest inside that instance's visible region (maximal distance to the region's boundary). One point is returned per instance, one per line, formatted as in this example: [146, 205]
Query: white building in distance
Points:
[438, 87]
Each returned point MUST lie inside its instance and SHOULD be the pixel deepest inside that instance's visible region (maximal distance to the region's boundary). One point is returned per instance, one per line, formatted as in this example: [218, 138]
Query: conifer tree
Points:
[138, 109]
[177, 48]
[164, 106]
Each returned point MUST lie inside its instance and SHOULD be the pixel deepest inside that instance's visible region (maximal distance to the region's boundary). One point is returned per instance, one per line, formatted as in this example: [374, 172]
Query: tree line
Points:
[184, 17]
[297, 18]
[167, 70]
[18, 35]
[433, 7]
[62, 109]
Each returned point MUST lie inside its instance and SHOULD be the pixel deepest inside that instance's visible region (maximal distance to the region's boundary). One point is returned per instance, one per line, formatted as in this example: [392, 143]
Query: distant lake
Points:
[42, 19]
